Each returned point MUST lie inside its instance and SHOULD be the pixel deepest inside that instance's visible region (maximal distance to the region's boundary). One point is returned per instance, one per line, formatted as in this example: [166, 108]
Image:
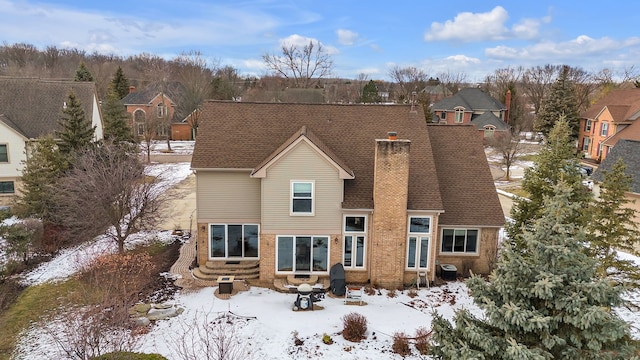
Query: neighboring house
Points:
[607, 121]
[156, 109]
[476, 107]
[30, 108]
[288, 190]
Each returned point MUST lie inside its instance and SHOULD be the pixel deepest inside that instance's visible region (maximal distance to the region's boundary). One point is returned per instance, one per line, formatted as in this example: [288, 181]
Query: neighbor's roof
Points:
[466, 185]
[630, 132]
[244, 135]
[488, 118]
[629, 152]
[174, 91]
[470, 99]
[623, 104]
[33, 107]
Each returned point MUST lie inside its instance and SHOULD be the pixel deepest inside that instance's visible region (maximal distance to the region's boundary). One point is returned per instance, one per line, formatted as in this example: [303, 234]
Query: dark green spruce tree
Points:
[114, 114]
[120, 83]
[76, 130]
[561, 102]
[612, 228]
[42, 169]
[543, 301]
[370, 93]
[83, 73]
[557, 161]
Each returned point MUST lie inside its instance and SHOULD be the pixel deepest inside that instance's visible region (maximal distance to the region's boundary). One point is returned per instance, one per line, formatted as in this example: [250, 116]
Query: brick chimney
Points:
[132, 89]
[389, 222]
[507, 103]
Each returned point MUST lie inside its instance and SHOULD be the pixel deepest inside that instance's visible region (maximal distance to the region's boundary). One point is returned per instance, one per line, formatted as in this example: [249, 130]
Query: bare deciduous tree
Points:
[408, 80]
[304, 66]
[196, 76]
[107, 190]
[508, 145]
[451, 83]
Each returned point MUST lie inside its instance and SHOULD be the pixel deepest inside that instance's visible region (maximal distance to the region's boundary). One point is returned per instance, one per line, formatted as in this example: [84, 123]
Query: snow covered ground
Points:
[262, 320]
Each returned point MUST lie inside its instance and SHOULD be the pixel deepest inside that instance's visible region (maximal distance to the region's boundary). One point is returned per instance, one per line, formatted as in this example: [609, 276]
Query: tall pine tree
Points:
[77, 131]
[612, 228]
[542, 301]
[120, 83]
[561, 102]
[83, 73]
[115, 118]
[370, 93]
[557, 161]
[43, 167]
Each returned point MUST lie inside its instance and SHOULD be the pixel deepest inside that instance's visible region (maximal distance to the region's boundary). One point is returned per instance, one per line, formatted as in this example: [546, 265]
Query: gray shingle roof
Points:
[471, 99]
[488, 118]
[629, 152]
[241, 135]
[33, 107]
[175, 91]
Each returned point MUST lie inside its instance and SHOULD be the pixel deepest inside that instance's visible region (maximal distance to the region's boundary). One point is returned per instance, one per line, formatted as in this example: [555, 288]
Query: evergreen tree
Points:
[43, 167]
[370, 93]
[120, 83]
[77, 131]
[83, 73]
[542, 301]
[115, 118]
[560, 102]
[612, 228]
[557, 161]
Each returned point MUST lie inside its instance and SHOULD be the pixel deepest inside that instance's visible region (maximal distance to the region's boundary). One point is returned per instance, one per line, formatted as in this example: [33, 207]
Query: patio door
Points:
[302, 254]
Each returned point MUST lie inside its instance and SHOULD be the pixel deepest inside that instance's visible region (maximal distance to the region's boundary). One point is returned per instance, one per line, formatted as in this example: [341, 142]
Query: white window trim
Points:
[8, 154]
[354, 234]
[458, 253]
[313, 198]
[588, 126]
[226, 235]
[310, 272]
[604, 131]
[459, 112]
[418, 236]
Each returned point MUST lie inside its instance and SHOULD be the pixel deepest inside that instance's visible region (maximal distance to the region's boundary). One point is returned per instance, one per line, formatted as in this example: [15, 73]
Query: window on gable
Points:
[354, 242]
[161, 110]
[459, 115]
[489, 131]
[459, 241]
[418, 242]
[6, 187]
[301, 198]
[4, 153]
[604, 130]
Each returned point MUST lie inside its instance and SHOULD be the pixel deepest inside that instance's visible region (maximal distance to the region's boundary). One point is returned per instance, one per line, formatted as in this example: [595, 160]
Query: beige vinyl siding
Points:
[302, 163]
[228, 195]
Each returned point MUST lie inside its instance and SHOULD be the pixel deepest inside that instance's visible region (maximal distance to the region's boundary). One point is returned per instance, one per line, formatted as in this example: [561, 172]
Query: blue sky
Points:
[471, 37]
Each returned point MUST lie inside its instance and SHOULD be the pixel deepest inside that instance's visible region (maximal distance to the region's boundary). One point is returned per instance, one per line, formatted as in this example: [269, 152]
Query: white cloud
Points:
[376, 48]
[346, 37]
[579, 47]
[467, 26]
[300, 41]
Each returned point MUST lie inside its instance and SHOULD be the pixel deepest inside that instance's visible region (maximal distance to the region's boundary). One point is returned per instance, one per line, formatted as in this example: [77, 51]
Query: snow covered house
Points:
[289, 190]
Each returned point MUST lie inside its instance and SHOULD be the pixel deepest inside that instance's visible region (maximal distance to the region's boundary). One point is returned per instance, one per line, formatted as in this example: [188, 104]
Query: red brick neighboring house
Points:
[159, 109]
[287, 190]
[474, 106]
[610, 119]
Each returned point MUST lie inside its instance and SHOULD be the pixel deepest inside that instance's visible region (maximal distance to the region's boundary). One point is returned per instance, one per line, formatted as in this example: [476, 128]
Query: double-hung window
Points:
[161, 110]
[4, 153]
[302, 194]
[585, 144]
[355, 235]
[459, 241]
[418, 242]
[604, 130]
[459, 115]
[587, 125]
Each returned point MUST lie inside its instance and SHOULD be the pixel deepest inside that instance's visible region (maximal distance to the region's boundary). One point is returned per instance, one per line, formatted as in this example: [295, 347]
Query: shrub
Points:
[327, 339]
[412, 293]
[392, 293]
[422, 340]
[401, 344]
[121, 355]
[354, 327]
[369, 290]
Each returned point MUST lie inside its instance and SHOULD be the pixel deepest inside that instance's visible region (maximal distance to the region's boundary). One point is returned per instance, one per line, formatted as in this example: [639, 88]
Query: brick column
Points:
[389, 230]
